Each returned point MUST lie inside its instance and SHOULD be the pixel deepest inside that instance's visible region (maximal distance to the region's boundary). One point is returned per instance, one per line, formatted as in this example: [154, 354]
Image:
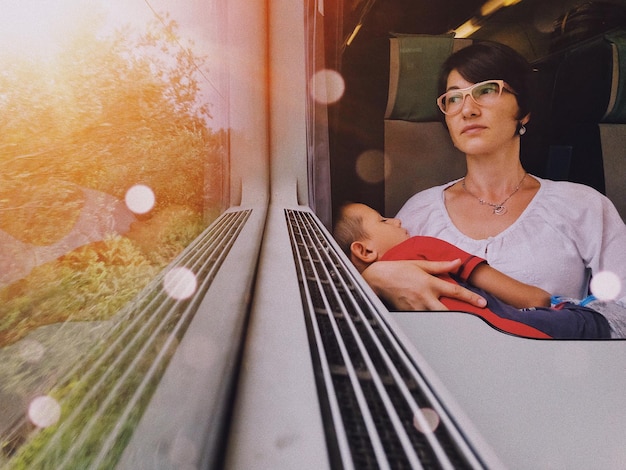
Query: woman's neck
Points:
[491, 178]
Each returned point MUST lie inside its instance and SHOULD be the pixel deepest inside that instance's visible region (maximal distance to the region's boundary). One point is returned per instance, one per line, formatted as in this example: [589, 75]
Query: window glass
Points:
[112, 160]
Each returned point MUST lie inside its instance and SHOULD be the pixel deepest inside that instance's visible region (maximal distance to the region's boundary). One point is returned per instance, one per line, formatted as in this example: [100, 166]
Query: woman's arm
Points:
[507, 289]
[411, 285]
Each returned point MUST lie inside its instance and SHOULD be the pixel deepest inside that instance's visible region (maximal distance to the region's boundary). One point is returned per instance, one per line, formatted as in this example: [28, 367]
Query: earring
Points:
[522, 130]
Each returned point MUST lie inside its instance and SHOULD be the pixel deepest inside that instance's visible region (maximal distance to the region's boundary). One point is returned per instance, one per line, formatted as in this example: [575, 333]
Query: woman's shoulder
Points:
[567, 188]
[570, 194]
[573, 202]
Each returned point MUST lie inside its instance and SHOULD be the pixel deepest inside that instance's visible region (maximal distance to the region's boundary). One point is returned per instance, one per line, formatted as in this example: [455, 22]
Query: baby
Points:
[512, 306]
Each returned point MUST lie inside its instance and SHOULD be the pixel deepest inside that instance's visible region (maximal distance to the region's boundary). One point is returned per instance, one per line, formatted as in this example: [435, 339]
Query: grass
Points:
[91, 284]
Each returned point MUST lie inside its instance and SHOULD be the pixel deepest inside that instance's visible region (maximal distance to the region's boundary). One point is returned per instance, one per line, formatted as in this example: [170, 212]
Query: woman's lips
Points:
[472, 129]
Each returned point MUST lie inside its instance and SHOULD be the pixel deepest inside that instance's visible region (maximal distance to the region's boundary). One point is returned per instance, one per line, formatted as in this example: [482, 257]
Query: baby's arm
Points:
[507, 289]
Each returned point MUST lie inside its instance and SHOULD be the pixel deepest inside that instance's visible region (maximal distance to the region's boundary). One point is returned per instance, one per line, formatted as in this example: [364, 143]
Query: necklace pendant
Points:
[499, 210]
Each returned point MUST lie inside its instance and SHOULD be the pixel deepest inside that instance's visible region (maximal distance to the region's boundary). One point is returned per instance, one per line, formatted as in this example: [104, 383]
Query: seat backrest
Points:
[613, 126]
[585, 115]
[418, 151]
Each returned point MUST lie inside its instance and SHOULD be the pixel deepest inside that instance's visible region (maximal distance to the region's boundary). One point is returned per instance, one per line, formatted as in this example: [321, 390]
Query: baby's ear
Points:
[362, 251]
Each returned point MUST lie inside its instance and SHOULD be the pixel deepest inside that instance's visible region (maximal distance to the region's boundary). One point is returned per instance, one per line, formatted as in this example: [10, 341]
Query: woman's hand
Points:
[411, 285]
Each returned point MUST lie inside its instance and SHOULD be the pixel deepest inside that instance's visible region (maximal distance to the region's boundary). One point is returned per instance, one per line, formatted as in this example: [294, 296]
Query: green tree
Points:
[111, 112]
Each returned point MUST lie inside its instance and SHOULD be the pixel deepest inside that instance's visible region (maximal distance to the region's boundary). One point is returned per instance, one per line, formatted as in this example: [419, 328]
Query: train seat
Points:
[613, 127]
[418, 151]
[585, 115]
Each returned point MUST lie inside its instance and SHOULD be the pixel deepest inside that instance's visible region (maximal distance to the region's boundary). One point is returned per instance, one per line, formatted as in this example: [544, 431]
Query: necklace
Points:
[498, 209]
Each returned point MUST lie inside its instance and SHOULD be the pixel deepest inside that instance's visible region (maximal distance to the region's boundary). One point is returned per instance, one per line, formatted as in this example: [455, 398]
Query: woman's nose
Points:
[397, 222]
[469, 106]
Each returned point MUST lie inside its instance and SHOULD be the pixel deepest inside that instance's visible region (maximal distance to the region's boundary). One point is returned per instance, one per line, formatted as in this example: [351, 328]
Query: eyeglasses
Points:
[483, 93]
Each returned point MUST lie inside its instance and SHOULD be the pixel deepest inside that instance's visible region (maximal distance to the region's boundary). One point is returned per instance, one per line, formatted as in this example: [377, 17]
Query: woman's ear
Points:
[525, 119]
[362, 251]
[521, 124]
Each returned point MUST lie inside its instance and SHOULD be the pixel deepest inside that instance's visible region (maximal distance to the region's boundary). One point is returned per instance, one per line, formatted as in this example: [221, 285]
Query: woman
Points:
[549, 234]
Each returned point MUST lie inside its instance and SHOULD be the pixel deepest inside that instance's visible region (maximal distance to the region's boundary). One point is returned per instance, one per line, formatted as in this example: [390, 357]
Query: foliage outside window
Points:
[79, 128]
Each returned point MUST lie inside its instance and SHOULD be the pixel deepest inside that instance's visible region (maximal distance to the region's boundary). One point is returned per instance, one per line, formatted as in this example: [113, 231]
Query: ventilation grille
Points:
[378, 410]
[104, 395]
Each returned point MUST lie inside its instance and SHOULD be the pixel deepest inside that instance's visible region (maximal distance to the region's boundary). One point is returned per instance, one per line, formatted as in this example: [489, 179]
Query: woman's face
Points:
[477, 129]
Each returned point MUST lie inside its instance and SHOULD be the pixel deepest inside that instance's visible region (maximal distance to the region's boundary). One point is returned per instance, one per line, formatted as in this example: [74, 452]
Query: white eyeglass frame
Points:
[468, 92]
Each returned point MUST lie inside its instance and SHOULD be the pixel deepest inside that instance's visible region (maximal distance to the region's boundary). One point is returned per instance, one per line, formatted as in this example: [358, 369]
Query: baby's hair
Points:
[348, 228]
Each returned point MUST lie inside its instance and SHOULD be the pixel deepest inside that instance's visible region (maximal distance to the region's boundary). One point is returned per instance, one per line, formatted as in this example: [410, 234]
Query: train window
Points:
[113, 158]
[170, 293]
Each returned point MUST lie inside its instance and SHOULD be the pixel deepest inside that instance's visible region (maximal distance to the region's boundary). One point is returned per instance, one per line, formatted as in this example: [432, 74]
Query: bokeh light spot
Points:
[327, 86]
[606, 285]
[140, 199]
[180, 283]
[44, 411]
[427, 421]
[370, 166]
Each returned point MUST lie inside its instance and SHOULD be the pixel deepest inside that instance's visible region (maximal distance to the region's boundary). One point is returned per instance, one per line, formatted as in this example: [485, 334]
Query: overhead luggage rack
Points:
[379, 411]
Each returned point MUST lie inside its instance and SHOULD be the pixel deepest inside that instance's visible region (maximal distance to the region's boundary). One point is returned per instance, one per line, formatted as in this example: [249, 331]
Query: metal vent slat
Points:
[375, 394]
[104, 395]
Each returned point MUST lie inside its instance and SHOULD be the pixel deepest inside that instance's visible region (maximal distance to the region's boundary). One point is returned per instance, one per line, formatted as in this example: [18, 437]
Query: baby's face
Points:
[383, 233]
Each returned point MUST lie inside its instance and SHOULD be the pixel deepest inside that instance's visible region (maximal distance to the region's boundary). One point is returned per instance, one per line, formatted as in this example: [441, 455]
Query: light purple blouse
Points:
[567, 233]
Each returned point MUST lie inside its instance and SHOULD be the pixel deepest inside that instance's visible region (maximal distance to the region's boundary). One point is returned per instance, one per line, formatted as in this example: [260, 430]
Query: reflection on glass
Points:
[110, 165]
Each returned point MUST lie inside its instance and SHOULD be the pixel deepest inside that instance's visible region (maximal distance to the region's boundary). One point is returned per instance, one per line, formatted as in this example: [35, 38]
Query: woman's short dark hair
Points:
[492, 61]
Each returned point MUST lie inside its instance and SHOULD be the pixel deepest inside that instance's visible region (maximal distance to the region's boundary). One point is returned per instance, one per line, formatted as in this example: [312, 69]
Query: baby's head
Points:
[364, 235]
